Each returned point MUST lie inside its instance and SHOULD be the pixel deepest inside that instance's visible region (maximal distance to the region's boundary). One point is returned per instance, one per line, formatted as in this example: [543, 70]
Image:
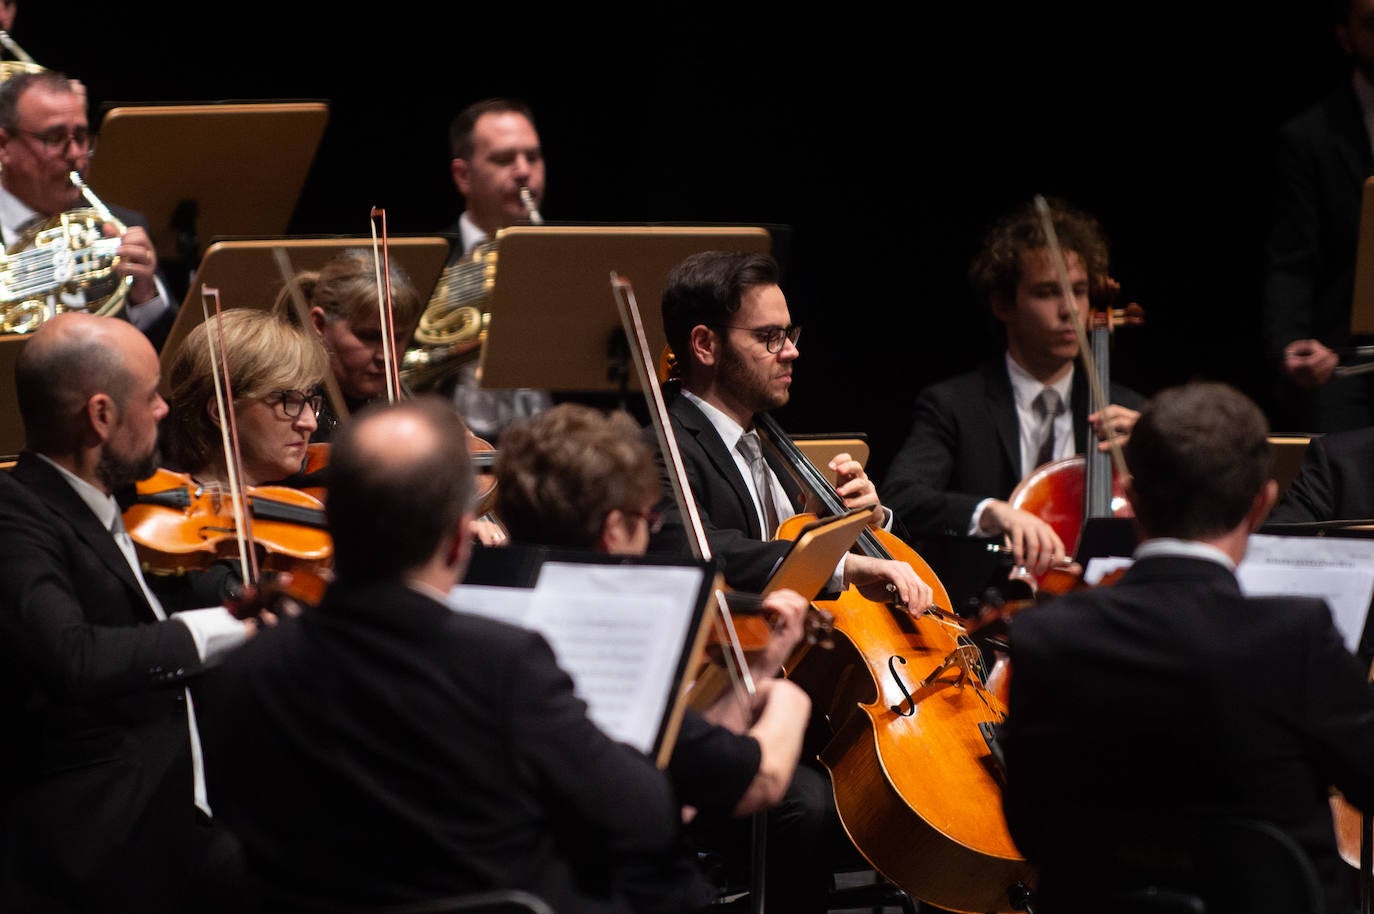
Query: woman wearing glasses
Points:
[274, 371]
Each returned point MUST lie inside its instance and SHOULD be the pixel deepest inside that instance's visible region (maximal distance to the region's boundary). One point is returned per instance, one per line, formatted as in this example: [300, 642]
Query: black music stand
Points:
[554, 323]
[247, 274]
[201, 171]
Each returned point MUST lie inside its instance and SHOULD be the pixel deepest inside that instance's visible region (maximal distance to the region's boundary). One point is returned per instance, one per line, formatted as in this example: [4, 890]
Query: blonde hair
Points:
[264, 353]
[345, 288]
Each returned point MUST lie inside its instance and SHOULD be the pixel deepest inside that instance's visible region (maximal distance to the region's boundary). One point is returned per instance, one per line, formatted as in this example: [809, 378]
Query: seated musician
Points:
[975, 436]
[728, 324]
[386, 749]
[340, 301]
[734, 342]
[1171, 693]
[573, 476]
[275, 369]
[1333, 482]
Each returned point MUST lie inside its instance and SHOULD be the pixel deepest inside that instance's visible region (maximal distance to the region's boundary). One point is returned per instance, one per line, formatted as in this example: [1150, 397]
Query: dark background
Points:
[886, 138]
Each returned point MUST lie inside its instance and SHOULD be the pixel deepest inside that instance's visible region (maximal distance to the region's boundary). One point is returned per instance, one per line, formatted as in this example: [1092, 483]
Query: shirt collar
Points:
[13, 213]
[1176, 548]
[1026, 388]
[102, 504]
[469, 232]
[729, 430]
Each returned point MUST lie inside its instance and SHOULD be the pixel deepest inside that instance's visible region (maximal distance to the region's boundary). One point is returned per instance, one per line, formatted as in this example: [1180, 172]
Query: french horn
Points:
[21, 63]
[64, 264]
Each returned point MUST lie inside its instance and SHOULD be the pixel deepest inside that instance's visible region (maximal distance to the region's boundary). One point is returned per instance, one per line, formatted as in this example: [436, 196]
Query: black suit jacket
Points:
[1334, 481]
[96, 761]
[1322, 160]
[384, 749]
[744, 555]
[1170, 692]
[964, 446]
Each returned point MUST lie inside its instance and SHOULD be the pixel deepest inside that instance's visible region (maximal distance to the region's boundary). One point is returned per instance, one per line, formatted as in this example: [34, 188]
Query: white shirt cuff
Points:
[215, 631]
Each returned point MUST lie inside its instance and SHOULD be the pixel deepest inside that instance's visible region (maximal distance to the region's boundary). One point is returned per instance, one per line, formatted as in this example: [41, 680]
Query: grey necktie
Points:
[1047, 407]
[749, 446]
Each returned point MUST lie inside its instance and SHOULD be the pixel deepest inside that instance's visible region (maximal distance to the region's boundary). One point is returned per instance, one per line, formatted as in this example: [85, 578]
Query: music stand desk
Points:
[241, 165]
[553, 317]
[247, 275]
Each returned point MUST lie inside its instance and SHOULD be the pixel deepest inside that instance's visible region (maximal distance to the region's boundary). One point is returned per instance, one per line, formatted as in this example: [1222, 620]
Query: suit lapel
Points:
[51, 488]
[706, 438]
[1002, 410]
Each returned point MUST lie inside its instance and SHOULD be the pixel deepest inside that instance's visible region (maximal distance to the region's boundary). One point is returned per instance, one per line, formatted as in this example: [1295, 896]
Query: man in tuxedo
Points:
[104, 803]
[1322, 157]
[728, 325]
[383, 748]
[495, 156]
[1170, 693]
[976, 435]
[1333, 482]
[44, 137]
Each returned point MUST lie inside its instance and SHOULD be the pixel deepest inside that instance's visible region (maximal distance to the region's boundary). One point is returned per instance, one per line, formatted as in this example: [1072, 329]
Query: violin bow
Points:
[1099, 396]
[302, 312]
[229, 434]
[738, 668]
[388, 321]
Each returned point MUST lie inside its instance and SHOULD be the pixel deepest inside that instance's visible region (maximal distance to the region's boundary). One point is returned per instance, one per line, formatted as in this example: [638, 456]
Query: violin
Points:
[178, 525]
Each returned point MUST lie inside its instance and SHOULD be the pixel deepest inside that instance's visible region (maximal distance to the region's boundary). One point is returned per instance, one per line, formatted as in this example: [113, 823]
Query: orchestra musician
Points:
[729, 327]
[1333, 482]
[974, 436]
[1170, 693]
[104, 806]
[497, 165]
[341, 302]
[384, 748]
[576, 477]
[44, 137]
[274, 372]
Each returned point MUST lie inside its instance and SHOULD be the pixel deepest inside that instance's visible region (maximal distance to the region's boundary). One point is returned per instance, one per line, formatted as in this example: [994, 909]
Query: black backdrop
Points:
[886, 138]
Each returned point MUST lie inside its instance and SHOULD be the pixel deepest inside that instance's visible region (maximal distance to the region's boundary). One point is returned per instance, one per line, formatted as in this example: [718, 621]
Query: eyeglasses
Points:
[293, 401]
[58, 138]
[771, 337]
[654, 518]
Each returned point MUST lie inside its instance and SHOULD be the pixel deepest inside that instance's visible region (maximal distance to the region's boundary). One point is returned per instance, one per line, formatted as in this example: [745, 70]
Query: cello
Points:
[912, 757]
[913, 769]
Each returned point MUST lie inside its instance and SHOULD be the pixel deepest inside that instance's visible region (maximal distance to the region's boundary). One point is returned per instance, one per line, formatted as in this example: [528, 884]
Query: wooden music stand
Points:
[553, 321]
[201, 171]
[11, 425]
[819, 449]
[247, 275]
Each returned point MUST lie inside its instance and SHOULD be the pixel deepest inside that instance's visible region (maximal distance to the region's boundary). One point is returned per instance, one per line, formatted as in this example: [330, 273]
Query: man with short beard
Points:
[102, 798]
[727, 321]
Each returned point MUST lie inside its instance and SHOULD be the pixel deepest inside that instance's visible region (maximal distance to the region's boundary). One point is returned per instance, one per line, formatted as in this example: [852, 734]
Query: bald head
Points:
[401, 482]
[70, 359]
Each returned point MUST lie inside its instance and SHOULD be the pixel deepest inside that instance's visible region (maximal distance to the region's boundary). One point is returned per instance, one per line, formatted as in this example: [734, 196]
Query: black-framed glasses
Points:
[292, 402]
[59, 138]
[771, 337]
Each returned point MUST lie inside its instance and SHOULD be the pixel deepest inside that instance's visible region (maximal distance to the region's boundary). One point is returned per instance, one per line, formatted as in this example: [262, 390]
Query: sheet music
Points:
[618, 630]
[1338, 569]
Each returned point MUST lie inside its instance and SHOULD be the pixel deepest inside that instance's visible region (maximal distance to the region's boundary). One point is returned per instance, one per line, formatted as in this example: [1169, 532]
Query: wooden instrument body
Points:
[915, 783]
